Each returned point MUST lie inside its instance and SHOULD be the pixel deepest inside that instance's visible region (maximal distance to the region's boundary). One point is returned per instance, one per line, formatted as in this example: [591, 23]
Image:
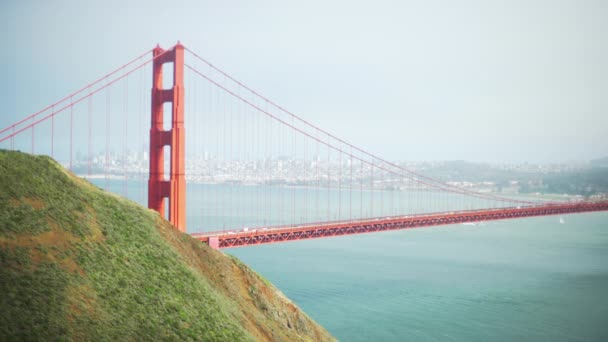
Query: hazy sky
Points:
[476, 80]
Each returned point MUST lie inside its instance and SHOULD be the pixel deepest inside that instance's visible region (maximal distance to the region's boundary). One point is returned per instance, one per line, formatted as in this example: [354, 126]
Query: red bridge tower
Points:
[174, 188]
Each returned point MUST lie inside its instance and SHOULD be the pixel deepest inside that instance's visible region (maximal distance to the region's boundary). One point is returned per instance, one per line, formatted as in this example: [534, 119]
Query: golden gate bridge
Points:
[284, 177]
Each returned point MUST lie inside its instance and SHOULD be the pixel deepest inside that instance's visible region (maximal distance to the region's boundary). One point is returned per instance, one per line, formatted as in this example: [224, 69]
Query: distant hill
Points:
[78, 263]
[587, 181]
[599, 163]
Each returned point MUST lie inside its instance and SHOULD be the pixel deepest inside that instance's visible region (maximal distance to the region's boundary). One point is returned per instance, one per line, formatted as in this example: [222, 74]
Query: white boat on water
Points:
[561, 220]
[473, 224]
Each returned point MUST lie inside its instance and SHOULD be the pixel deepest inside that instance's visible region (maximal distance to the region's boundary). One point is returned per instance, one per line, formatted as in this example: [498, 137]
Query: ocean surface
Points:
[534, 279]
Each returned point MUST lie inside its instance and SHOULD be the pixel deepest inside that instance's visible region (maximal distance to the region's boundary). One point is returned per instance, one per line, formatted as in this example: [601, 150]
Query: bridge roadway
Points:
[257, 236]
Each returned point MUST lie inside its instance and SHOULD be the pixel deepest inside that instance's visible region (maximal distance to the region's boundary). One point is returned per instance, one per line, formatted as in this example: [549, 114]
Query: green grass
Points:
[78, 263]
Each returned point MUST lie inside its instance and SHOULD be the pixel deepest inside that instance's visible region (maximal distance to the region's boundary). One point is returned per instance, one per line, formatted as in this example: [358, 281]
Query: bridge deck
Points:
[265, 235]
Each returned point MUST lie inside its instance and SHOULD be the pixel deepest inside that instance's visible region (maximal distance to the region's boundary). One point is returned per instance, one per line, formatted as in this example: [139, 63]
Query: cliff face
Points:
[79, 263]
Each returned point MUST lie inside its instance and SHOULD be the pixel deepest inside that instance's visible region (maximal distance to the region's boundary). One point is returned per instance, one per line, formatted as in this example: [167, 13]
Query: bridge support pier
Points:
[174, 188]
[214, 242]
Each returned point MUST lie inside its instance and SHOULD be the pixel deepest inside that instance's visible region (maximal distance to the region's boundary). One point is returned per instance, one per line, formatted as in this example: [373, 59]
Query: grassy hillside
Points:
[79, 263]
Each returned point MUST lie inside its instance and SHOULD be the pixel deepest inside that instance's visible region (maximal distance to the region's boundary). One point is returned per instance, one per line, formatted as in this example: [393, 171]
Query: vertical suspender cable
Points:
[328, 181]
[71, 131]
[361, 173]
[270, 167]
[318, 189]
[371, 201]
[340, 185]
[33, 119]
[293, 170]
[350, 190]
[125, 188]
[225, 158]
[90, 114]
[107, 159]
[140, 137]
[53, 132]
[382, 191]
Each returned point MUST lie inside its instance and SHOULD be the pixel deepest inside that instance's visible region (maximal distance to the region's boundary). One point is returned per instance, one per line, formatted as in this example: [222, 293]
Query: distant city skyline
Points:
[482, 81]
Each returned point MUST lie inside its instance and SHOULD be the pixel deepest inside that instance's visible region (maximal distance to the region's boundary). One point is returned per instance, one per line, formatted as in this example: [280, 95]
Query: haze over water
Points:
[532, 279]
